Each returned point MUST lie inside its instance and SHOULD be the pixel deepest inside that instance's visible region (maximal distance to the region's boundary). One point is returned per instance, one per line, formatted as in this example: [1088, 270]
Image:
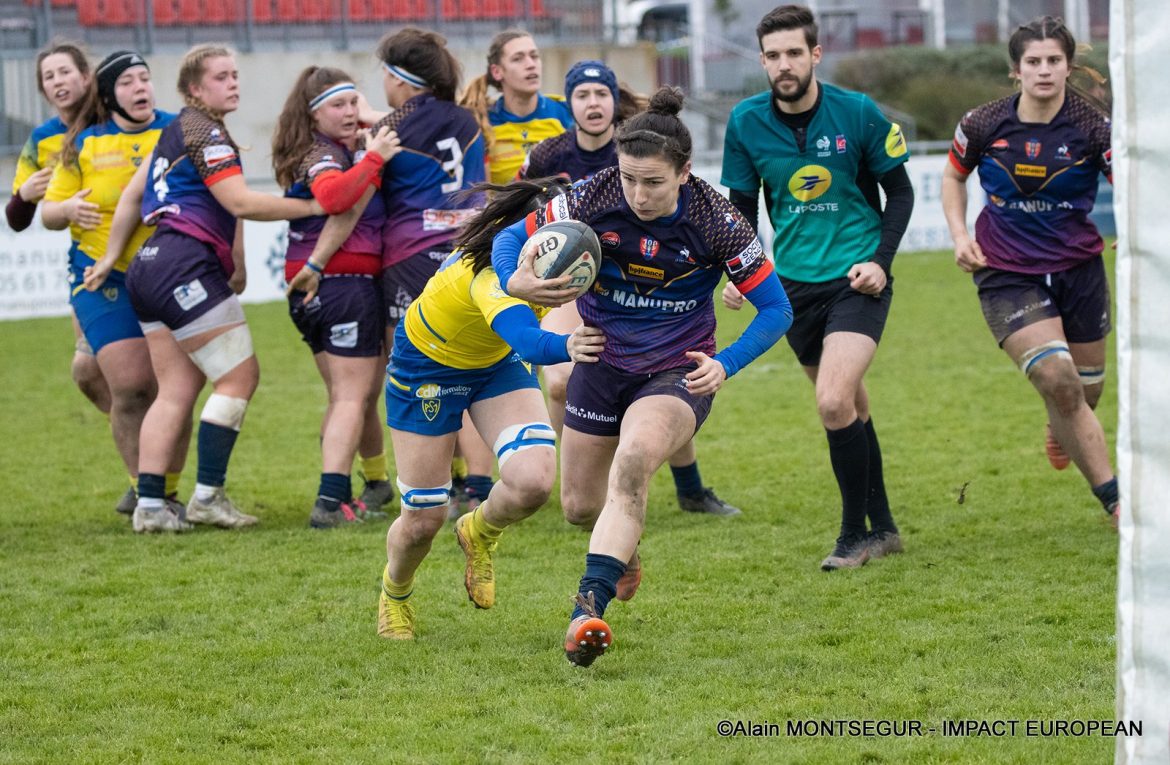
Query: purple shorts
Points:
[820, 309]
[175, 279]
[404, 281]
[599, 395]
[1079, 297]
[344, 318]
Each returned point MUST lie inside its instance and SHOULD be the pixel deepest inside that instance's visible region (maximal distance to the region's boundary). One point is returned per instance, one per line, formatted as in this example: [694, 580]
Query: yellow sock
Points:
[134, 483]
[374, 468]
[172, 480]
[481, 528]
[458, 467]
[396, 591]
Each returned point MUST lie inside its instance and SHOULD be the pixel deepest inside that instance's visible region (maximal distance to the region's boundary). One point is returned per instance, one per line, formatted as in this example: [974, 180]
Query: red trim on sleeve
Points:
[957, 165]
[756, 279]
[227, 172]
[338, 191]
[530, 224]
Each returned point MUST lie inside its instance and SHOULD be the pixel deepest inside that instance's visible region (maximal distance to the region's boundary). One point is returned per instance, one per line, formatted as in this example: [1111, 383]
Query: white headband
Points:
[337, 89]
[405, 76]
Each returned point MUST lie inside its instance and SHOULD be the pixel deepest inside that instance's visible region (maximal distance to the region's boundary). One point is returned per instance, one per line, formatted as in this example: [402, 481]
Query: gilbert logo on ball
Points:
[566, 247]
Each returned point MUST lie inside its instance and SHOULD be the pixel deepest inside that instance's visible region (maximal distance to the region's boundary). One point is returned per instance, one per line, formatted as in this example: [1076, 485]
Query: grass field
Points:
[259, 645]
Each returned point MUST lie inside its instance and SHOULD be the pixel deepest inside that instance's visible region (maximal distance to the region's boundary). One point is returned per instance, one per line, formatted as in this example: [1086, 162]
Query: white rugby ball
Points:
[566, 247]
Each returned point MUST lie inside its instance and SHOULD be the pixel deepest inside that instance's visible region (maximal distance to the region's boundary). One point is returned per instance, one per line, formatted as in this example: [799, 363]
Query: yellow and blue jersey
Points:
[451, 321]
[515, 136]
[40, 150]
[107, 159]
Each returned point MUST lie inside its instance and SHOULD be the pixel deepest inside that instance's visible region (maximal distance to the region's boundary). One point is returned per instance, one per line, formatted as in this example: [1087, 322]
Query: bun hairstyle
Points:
[658, 131]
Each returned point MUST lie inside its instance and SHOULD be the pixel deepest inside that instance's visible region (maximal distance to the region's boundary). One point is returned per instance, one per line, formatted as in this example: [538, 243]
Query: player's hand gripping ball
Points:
[566, 247]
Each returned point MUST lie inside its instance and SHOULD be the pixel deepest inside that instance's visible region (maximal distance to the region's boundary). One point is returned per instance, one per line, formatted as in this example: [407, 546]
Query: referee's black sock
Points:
[878, 504]
[849, 454]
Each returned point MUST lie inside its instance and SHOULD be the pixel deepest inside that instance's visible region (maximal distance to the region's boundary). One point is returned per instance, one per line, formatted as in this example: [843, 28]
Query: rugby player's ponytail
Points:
[191, 73]
[507, 203]
[658, 131]
[295, 127]
[630, 102]
[424, 55]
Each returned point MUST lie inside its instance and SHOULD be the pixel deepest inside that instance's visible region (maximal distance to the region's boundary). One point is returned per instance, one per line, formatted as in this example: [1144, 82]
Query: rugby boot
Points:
[360, 509]
[1114, 513]
[127, 503]
[479, 574]
[706, 502]
[883, 543]
[851, 552]
[326, 517]
[627, 586]
[218, 511]
[395, 617]
[1057, 456]
[588, 635]
[376, 495]
[158, 520]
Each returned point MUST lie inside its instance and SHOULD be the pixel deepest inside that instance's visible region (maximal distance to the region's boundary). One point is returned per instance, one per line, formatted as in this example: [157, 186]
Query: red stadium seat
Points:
[166, 13]
[88, 13]
[361, 10]
[262, 12]
[287, 11]
[117, 13]
[870, 37]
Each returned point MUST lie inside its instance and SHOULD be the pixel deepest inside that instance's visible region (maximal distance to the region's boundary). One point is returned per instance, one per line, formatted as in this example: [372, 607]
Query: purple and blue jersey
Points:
[193, 153]
[561, 155]
[442, 155]
[653, 297]
[1040, 180]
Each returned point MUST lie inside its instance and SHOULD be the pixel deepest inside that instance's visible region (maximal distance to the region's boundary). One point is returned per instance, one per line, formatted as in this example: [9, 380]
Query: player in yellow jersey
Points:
[114, 132]
[64, 78]
[465, 345]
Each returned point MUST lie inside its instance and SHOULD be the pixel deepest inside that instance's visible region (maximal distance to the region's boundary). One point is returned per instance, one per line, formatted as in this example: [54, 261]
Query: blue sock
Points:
[601, 575]
[1107, 492]
[478, 486]
[335, 488]
[151, 486]
[687, 480]
[215, 445]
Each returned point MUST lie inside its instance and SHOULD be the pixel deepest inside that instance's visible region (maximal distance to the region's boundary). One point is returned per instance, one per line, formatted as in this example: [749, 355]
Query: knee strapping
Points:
[1033, 356]
[414, 498]
[1091, 375]
[224, 353]
[225, 410]
[517, 438]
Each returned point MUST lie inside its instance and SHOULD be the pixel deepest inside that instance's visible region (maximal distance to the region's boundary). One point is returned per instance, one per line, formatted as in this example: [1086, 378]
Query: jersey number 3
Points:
[452, 167]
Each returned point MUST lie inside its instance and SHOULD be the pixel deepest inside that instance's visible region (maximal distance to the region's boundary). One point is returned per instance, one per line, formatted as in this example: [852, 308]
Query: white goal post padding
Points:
[1139, 62]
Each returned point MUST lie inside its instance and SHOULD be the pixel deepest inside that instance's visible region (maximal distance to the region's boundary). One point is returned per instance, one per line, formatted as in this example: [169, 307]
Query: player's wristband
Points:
[309, 264]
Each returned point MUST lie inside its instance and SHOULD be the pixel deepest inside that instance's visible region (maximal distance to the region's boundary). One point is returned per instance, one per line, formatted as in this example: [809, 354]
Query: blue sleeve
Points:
[506, 251]
[520, 329]
[772, 320]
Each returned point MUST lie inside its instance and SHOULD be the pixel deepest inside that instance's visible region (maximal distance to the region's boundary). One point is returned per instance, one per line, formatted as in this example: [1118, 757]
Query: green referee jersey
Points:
[822, 219]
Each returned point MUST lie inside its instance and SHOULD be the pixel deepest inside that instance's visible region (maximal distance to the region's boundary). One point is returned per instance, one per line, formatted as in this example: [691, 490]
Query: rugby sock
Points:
[687, 481]
[458, 467]
[478, 487]
[480, 526]
[877, 505]
[849, 455]
[1106, 493]
[150, 491]
[334, 489]
[602, 573]
[172, 480]
[374, 468]
[215, 444]
[396, 591]
[133, 481]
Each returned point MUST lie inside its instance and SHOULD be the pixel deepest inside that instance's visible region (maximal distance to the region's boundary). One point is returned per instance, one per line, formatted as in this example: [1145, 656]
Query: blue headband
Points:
[329, 93]
[405, 76]
[590, 70]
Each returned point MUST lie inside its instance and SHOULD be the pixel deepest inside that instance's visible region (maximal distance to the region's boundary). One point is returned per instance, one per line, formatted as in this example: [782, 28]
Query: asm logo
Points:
[810, 182]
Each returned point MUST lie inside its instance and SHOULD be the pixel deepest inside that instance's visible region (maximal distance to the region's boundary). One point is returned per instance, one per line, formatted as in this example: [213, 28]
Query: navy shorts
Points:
[105, 316]
[344, 318]
[598, 396]
[175, 279]
[1079, 297]
[404, 281]
[429, 398]
[822, 308]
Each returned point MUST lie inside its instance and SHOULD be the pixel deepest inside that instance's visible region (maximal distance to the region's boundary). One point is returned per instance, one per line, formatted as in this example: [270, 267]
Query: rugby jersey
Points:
[40, 150]
[515, 136]
[107, 159]
[561, 155]
[1040, 180]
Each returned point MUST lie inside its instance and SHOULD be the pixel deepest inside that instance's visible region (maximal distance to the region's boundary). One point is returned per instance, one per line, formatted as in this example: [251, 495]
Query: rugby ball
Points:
[566, 247]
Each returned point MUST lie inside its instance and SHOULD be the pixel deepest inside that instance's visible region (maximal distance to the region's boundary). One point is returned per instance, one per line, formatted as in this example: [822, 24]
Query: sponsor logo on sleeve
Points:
[218, 154]
[746, 259]
[895, 141]
[328, 163]
[960, 142]
[558, 208]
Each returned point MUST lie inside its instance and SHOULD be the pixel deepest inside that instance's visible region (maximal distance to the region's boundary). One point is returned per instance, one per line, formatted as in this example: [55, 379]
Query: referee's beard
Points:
[802, 86]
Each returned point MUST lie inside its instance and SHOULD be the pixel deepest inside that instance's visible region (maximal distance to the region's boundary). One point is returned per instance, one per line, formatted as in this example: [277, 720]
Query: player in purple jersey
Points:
[1036, 256]
[599, 104]
[667, 238]
[183, 284]
[313, 155]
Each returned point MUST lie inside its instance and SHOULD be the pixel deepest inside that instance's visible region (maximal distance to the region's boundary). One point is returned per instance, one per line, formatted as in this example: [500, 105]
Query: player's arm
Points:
[739, 175]
[65, 201]
[238, 281]
[968, 254]
[127, 216]
[516, 272]
[336, 230]
[748, 205]
[28, 188]
[520, 329]
[870, 277]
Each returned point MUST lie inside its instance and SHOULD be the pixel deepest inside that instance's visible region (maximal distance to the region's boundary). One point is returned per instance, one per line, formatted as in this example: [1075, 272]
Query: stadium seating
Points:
[170, 13]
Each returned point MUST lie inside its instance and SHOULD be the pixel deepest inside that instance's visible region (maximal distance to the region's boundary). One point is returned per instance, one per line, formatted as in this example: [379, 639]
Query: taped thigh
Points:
[517, 438]
[1091, 375]
[1033, 356]
[414, 498]
[224, 352]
